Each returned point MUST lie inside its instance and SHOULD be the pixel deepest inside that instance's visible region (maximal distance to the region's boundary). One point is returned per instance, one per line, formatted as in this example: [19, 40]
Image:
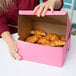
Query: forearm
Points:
[58, 3]
[12, 44]
[7, 37]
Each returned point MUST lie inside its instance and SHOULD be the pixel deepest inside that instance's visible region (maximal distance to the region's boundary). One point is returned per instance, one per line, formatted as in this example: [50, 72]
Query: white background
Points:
[10, 67]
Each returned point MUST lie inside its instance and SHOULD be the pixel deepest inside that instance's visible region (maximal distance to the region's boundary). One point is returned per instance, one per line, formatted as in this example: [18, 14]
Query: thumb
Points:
[51, 8]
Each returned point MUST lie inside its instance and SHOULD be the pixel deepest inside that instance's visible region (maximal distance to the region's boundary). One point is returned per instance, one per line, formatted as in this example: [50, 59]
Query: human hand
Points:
[12, 44]
[42, 8]
[13, 49]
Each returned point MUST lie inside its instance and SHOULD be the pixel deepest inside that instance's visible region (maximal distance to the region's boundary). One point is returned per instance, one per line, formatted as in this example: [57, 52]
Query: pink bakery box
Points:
[57, 22]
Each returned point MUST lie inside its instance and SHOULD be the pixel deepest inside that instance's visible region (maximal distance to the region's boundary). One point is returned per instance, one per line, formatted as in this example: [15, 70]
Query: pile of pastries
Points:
[50, 39]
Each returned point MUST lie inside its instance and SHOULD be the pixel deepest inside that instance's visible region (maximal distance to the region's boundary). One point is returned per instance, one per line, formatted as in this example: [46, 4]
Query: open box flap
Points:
[52, 23]
[23, 12]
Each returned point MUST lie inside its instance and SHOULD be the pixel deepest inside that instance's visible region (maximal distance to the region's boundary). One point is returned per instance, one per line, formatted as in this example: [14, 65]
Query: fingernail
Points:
[38, 15]
[43, 15]
[52, 11]
[20, 58]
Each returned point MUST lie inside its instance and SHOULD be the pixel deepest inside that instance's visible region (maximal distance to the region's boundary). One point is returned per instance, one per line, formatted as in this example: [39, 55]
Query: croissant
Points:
[63, 38]
[44, 41]
[38, 32]
[52, 37]
[33, 39]
[58, 43]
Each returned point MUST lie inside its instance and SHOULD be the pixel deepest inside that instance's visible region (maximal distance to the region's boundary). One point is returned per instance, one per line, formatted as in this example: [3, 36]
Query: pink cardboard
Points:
[45, 54]
[23, 12]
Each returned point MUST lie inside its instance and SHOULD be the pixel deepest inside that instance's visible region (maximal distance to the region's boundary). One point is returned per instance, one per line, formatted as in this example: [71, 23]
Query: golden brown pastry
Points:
[58, 43]
[44, 41]
[52, 37]
[38, 32]
[33, 39]
[63, 37]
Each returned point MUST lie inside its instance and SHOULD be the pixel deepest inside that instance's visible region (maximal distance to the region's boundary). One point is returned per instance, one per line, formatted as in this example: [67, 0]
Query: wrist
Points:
[7, 37]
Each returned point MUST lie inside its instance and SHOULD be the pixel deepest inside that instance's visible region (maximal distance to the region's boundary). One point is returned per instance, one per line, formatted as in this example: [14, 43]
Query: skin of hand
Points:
[42, 8]
[12, 44]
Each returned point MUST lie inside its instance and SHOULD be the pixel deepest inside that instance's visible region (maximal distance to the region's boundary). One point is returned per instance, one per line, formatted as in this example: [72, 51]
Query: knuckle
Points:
[46, 6]
[36, 7]
[41, 4]
[14, 53]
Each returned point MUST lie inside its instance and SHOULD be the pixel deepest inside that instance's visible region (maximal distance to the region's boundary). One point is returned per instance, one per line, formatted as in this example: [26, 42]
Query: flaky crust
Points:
[38, 32]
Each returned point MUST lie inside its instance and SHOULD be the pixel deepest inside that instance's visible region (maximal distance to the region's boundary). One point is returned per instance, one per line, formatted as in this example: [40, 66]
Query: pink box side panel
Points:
[42, 54]
[23, 12]
[65, 50]
[68, 30]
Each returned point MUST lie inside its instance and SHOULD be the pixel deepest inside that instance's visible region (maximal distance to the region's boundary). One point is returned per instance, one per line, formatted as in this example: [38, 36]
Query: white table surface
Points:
[10, 67]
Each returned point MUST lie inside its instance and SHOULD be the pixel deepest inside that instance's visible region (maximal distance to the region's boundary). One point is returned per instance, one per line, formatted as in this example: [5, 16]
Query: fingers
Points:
[14, 54]
[13, 49]
[42, 9]
[35, 9]
[51, 9]
[17, 56]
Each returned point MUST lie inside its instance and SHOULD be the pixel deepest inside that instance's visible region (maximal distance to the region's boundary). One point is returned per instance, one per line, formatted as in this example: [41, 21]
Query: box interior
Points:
[50, 24]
